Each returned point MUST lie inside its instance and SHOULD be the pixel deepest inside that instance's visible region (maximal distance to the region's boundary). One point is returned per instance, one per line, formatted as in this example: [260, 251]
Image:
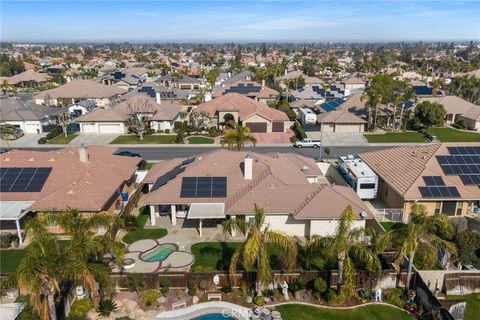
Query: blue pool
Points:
[214, 316]
[159, 253]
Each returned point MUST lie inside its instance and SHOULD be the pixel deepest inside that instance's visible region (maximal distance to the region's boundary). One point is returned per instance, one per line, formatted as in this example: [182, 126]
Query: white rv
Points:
[307, 116]
[359, 176]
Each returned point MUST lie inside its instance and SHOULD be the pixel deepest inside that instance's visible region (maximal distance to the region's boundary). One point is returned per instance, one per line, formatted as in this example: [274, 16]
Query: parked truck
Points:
[307, 143]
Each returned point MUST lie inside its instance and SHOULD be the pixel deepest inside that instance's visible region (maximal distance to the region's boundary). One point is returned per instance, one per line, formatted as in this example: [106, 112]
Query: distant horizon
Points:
[341, 21]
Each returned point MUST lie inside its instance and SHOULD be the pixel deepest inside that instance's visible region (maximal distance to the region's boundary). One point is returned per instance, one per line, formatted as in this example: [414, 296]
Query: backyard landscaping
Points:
[200, 140]
[10, 259]
[389, 225]
[140, 233]
[148, 139]
[370, 312]
[61, 139]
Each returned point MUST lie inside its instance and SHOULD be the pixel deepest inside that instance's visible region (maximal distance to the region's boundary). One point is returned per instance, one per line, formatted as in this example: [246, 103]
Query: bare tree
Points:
[63, 120]
[139, 113]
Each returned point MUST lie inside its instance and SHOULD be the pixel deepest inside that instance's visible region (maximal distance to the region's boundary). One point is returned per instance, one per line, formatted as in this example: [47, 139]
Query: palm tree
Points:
[6, 131]
[255, 250]
[373, 100]
[238, 138]
[421, 228]
[347, 245]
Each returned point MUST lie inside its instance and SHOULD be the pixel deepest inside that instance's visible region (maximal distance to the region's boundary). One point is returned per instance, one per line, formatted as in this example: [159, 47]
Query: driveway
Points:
[27, 141]
[88, 139]
[339, 138]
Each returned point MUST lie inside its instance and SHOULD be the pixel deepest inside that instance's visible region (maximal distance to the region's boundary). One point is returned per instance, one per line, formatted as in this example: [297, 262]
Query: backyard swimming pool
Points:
[159, 253]
[214, 316]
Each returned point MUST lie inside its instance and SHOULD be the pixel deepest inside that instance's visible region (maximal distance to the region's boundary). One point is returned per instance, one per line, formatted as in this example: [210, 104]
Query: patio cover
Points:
[14, 210]
[206, 211]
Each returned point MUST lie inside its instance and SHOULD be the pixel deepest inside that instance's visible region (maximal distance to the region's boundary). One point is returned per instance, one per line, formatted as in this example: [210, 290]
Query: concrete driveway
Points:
[27, 141]
[339, 138]
[88, 139]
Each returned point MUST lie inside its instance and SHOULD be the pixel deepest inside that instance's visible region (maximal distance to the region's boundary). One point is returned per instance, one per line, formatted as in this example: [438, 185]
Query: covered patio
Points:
[14, 211]
[205, 211]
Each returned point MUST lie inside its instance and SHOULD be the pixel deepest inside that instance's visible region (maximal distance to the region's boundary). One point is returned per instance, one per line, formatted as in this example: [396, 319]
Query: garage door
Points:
[348, 128]
[89, 128]
[277, 127]
[257, 126]
[109, 128]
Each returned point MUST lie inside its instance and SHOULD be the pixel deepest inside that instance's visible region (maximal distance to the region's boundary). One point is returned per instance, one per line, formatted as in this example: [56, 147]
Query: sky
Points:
[239, 21]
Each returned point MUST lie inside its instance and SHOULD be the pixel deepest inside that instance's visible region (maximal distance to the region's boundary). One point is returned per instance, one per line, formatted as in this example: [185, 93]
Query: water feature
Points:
[159, 253]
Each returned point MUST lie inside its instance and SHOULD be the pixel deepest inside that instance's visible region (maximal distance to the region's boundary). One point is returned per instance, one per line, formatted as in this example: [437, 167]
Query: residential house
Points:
[353, 84]
[340, 121]
[160, 93]
[249, 89]
[123, 80]
[209, 188]
[458, 109]
[79, 90]
[257, 116]
[317, 94]
[238, 77]
[89, 179]
[113, 120]
[444, 177]
[29, 78]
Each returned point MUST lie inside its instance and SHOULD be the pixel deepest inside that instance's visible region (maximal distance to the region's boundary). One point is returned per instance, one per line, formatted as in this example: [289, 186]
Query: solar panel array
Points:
[463, 162]
[162, 180]
[117, 75]
[243, 88]
[439, 192]
[150, 91]
[204, 187]
[331, 105]
[23, 179]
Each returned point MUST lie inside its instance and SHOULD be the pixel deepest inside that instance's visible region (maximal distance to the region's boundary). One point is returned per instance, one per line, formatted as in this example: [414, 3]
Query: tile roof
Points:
[72, 183]
[279, 184]
[339, 116]
[264, 93]
[29, 75]
[81, 89]
[245, 106]
[13, 109]
[456, 105]
[402, 168]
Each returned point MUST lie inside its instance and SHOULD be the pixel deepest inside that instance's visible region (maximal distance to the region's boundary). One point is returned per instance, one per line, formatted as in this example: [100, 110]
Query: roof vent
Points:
[51, 159]
[363, 215]
[305, 168]
[31, 159]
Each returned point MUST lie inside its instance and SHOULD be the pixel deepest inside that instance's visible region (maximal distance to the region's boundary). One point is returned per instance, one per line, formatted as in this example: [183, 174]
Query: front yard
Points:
[370, 312]
[148, 139]
[10, 259]
[200, 140]
[61, 139]
[443, 134]
[452, 135]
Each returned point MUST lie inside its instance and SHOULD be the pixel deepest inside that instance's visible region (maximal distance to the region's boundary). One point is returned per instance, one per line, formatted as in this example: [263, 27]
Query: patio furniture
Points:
[181, 304]
[211, 296]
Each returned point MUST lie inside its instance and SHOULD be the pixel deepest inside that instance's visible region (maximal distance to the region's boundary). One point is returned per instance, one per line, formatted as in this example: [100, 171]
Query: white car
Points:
[14, 136]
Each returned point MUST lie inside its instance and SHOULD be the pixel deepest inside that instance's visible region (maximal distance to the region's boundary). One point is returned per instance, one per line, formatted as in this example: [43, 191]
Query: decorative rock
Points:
[119, 314]
[119, 304]
[150, 314]
[92, 315]
[161, 309]
[131, 316]
[195, 299]
[162, 299]
[130, 306]
[140, 314]
[249, 299]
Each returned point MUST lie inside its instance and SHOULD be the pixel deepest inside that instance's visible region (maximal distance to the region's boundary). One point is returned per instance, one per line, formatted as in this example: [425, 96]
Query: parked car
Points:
[14, 136]
[127, 153]
[307, 143]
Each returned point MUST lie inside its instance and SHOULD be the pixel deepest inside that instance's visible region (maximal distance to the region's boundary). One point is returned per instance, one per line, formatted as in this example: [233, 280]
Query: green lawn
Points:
[217, 255]
[371, 312]
[200, 140]
[473, 305]
[389, 225]
[452, 135]
[61, 139]
[148, 166]
[141, 233]
[148, 139]
[389, 137]
[9, 260]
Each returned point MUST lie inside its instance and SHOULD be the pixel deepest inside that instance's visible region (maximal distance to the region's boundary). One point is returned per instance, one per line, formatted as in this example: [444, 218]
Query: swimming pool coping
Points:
[205, 308]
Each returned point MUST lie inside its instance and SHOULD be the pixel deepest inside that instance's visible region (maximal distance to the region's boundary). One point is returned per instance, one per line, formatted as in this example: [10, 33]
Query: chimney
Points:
[83, 153]
[248, 167]
[158, 98]
[263, 83]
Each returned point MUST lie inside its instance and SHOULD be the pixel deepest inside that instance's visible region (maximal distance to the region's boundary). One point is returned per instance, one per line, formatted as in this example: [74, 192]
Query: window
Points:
[367, 185]
[438, 206]
[459, 208]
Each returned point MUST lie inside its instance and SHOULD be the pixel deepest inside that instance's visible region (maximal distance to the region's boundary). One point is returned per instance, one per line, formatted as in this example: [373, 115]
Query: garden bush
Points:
[192, 287]
[226, 288]
[296, 285]
[81, 307]
[167, 130]
[150, 296]
[164, 286]
[320, 286]
[300, 133]
[161, 131]
[460, 124]
[330, 295]
[426, 256]
[259, 300]
[468, 243]
[130, 222]
[42, 140]
[56, 131]
[396, 297]
[244, 288]
[105, 307]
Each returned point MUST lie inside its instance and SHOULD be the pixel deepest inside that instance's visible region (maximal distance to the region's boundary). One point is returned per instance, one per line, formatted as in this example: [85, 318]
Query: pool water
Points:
[159, 253]
[214, 316]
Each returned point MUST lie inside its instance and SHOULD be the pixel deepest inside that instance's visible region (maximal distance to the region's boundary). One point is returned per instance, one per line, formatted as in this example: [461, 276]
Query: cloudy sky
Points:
[217, 21]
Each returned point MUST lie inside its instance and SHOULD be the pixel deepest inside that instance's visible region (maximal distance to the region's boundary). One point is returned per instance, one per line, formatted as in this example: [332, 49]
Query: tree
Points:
[6, 131]
[5, 87]
[254, 249]
[468, 243]
[238, 137]
[430, 113]
[347, 245]
[139, 114]
[421, 228]
[212, 76]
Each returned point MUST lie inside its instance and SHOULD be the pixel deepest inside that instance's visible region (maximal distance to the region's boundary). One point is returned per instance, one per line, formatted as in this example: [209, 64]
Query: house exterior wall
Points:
[328, 227]
[388, 195]
[471, 123]
[162, 125]
[102, 127]
[285, 223]
[463, 207]
[27, 126]
[327, 127]
[257, 118]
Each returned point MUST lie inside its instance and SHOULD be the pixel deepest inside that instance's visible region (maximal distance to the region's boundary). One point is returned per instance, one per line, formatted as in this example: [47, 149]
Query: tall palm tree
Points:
[238, 138]
[421, 228]
[254, 249]
[6, 131]
[348, 245]
[373, 99]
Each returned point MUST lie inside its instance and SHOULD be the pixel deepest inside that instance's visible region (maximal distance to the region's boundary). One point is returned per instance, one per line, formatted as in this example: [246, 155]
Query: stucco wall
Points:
[328, 227]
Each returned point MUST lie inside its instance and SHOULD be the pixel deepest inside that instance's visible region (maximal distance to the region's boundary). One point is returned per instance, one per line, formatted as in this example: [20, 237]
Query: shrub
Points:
[200, 268]
[56, 131]
[259, 300]
[330, 295]
[299, 131]
[296, 285]
[293, 139]
[42, 140]
[105, 307]
[320, 286]
[425, 132]
[81, 307]
[468, 243]
[164, 286]
[130, 222]
[270, 293]
[150, 296]
[192, 288]
[203, 285]
[178, 138]
[161, 131]
[426, 256]
[396, 297]
[226, 288]
[244, 288]
[167, 130]
[460, 124]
